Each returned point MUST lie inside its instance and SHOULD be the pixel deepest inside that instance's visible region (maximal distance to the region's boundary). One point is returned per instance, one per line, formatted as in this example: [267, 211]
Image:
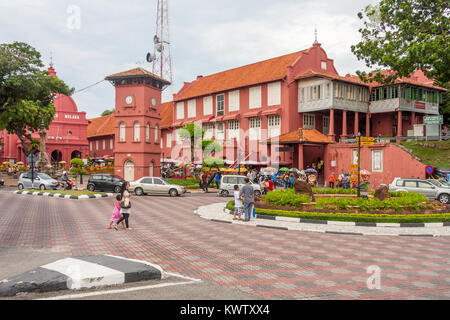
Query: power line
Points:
[92, 85]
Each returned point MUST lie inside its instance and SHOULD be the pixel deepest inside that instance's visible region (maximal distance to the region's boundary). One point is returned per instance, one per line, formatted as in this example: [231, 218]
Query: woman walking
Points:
[125, 207]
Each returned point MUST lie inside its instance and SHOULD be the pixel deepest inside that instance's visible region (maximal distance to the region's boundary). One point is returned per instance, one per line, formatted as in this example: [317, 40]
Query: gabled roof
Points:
[256, 73]
[135, 72]
[166, 114]
[348, 78]
[301, 136]
[102, 126]
[418, 78]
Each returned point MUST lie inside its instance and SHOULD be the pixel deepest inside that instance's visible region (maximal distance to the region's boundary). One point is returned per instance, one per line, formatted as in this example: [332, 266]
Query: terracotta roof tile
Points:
[301, 136]
[348, 78]
[135, 72]
[256, 73]
[102, 126]
[167, 114]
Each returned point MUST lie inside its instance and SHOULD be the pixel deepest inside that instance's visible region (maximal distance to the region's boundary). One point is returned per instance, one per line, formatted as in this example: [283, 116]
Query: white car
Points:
[155, 185]
[227, 184]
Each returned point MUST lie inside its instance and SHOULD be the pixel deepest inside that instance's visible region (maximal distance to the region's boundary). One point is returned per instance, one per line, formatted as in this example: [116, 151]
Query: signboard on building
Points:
[418, 130]
[420, 105]
[433, 120]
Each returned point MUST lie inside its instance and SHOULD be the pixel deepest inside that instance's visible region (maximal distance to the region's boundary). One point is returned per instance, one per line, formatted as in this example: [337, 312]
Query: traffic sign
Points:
[353, 173]
[365, 139]
[367, 143]
[433, 120]
[354, 179]
[353, 166]
[429, 169]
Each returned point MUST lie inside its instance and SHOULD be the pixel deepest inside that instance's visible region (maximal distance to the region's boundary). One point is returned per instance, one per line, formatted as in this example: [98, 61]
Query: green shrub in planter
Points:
[286, 197]
[77, 162]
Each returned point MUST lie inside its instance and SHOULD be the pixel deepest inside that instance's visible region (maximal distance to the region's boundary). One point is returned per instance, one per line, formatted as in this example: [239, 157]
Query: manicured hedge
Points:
[188, 183]
[354, 217]
[286, 197]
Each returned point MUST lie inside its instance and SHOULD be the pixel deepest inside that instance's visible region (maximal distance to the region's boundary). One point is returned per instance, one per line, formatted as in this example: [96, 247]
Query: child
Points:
[116, 215]
[238, 206]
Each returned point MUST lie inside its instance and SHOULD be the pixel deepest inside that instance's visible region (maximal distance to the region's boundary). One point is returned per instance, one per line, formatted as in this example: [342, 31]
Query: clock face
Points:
[154, 101]
[129, 100]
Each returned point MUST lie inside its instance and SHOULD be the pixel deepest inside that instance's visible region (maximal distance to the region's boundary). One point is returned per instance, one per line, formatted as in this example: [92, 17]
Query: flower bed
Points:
[354, 217]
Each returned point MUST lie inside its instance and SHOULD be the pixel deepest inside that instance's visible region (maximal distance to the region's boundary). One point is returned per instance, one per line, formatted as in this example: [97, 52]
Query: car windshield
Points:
[445, 183]
[45, 176]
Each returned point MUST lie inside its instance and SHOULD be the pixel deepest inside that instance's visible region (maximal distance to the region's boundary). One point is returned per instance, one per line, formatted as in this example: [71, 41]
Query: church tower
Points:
[137, 149]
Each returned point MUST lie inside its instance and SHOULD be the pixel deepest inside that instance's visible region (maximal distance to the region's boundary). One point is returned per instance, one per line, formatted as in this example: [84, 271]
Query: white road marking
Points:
[98, 293]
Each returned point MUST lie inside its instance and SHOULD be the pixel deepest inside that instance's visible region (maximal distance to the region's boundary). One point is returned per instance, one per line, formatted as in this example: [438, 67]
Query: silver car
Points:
[41, 181]
[421, 186]
[227, 184]
[155, 185]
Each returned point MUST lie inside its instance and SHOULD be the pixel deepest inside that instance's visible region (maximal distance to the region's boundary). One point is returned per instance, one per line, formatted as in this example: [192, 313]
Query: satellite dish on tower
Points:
[150, 57]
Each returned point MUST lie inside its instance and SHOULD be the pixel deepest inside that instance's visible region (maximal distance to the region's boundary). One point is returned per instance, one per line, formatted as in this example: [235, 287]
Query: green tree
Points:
[192, 132]
[107, 112]
[405, 36]
[26, 93]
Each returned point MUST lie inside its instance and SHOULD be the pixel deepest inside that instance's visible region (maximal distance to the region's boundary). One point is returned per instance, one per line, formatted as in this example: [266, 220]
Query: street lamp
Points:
[81, 174]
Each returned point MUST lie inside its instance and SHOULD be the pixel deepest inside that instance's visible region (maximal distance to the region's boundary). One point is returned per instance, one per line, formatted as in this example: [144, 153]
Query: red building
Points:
[66, 136]
[100, 135]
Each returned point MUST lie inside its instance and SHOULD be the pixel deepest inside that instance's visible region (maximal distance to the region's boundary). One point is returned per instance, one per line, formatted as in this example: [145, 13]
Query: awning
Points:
[272, 111]
[178, 123]
[229, 117]
[253, 114]
[300, 136]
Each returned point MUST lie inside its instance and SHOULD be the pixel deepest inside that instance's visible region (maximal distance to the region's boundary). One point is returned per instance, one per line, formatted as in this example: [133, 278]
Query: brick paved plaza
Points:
[269, 264]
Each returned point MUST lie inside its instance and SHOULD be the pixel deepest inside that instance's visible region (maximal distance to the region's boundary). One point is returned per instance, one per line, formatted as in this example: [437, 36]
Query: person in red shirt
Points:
[271, 184]
[331, 181]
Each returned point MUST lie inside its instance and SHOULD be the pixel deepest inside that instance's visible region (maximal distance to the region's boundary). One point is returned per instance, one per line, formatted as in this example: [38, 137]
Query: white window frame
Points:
[220, 131]
[309, 121]
[323, 65]
[147, 132]
[209, 131]
[192, 108]
[169, 140]
[220, 104]
[274, 94]
[104, 144]
[254, 129]
[96, 145]
[90, 145]
[255, 97]
[136, 132]
[377, 167]
[156, 133]
[208, 106]
[233, 101]
[180, 110]
[274, 126]
[122, 132]
[111, 144]
[233, 129]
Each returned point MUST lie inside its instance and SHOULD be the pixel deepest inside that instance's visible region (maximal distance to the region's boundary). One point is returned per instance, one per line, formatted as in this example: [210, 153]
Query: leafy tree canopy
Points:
[404, 36]
[26, 92]
[107, 112]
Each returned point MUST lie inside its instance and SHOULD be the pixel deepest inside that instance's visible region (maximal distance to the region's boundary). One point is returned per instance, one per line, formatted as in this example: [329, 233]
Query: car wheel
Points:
[444, 198]
[117, 189]
[91, 188]
[224, 193]
[139, 192]
[258, 193]
[20, 186]
[42, 187]
[173, 192]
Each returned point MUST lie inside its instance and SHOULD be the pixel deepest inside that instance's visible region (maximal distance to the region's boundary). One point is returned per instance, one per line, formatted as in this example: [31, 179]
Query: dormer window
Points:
[323, 65]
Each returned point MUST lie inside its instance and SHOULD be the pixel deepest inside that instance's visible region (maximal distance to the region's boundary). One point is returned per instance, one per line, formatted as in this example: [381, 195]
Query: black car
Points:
[105, 182]
[2, 182]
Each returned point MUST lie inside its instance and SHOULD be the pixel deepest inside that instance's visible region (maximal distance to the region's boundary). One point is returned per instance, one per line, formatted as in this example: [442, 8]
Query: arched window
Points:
[137, 131]
[147, 132]
[156, 133]
[122, 132]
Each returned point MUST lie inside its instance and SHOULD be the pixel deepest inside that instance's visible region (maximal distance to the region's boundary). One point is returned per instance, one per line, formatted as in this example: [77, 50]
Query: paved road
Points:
[263, 263]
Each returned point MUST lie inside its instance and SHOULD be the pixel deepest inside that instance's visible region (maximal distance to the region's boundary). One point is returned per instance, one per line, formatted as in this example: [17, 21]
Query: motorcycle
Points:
[66, 185]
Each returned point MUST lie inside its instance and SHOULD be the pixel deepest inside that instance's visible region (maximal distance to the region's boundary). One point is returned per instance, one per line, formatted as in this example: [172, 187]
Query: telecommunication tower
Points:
[162, 56]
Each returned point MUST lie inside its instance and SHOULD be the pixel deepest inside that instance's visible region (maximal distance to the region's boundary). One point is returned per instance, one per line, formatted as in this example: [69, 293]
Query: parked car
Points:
[105, 182]
[227, 184]
[155, 185]
[438, 183]
[425, 187]
[41, 181]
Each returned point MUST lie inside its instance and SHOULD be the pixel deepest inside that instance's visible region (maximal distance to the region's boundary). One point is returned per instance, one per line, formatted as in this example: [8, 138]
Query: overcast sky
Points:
[207, 36]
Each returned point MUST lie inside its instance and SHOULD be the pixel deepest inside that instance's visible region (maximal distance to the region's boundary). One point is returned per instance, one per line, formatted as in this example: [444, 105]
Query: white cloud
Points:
[207, 36]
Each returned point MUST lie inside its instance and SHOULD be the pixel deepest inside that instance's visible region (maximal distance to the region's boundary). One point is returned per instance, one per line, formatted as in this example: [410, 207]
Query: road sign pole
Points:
[32, 170]
[359, 165]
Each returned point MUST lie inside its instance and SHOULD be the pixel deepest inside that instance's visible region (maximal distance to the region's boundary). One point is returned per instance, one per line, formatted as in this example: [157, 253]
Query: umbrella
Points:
[294, 170]
[365, 172]
[284, 169]
[180, 165]
[311, 170]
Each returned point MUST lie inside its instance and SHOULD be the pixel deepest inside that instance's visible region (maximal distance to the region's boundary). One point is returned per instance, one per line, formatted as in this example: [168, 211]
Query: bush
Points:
[77, 162]
[286, 197]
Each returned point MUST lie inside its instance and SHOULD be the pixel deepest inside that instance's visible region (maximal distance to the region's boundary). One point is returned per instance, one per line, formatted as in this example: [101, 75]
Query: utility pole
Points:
[359, 165]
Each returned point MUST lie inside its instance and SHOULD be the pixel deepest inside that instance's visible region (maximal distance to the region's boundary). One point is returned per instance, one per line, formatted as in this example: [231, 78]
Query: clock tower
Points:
[137, 149]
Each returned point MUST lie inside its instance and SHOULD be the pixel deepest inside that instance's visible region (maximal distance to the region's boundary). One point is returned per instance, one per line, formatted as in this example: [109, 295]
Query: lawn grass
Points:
[69, 192]
[431, 153]
[354, 217]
